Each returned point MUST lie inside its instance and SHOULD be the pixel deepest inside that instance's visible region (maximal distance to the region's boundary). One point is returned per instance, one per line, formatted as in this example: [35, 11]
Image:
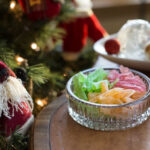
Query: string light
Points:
[12, 4]
[19, 59]
[64, 74]
[35, 47]
[41, 102]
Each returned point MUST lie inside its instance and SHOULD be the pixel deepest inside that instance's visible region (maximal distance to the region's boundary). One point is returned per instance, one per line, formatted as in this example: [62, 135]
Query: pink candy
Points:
[127, 79]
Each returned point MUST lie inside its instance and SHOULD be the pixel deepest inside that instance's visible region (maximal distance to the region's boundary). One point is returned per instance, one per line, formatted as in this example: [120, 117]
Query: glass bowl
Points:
[109, 117]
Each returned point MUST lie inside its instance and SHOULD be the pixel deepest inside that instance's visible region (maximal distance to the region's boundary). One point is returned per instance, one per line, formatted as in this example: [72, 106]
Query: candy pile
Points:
[112, 87]
[127, 80]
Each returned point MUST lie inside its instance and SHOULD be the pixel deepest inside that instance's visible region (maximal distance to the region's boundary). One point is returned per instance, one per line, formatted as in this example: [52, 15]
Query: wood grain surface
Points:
[40, 137]
[54, 129]
[57, 131]
[66, 134]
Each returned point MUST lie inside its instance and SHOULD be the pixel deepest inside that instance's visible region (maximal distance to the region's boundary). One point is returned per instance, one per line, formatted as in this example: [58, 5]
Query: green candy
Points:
[83, 84]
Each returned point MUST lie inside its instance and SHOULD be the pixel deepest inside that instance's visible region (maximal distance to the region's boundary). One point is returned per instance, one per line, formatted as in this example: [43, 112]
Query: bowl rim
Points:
[70, 92]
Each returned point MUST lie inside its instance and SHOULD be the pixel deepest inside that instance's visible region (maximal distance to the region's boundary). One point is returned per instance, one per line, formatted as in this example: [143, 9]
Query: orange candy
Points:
[114, 96]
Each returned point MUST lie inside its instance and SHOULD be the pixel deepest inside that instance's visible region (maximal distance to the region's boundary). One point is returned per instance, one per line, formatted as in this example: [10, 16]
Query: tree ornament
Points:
[85, 24]
[16, 104]
[40, 9]
[21, 74]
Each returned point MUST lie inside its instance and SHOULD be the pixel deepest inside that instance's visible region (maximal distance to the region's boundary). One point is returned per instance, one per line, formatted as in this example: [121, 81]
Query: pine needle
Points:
[8, 57]
[16, 142]
[38, 73]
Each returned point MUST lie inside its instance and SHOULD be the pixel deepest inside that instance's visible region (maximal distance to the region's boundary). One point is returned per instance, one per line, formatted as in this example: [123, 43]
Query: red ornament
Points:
[112, 46]
[15, 111]
[40, 9]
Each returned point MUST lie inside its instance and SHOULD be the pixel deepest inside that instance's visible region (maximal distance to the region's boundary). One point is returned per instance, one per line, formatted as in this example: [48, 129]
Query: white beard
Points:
[84, 4]
[13, 92]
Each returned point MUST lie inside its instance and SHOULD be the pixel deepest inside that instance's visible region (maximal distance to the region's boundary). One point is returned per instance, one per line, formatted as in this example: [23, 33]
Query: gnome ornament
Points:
[85, 24]
[15, 103]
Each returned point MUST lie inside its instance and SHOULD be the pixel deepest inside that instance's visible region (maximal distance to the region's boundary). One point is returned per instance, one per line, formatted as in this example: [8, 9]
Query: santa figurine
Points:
[15, 103]
[85, 24]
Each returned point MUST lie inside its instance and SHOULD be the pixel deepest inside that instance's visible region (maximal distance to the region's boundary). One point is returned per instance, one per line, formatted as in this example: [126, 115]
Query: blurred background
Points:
[114, 13]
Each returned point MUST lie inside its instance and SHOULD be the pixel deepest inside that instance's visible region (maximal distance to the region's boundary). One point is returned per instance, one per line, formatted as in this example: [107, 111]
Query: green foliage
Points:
[67, 12]
[21, 31]
[38, 73]
[61, 71]
[17, 32]
[8, 56]
[15, 142]
[47, 33]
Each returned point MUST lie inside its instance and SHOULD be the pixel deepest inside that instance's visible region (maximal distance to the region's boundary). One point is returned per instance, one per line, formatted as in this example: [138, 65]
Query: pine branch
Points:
[16, 142]
[48, 32]
[38, 73]
[8, 56]
[67, 12]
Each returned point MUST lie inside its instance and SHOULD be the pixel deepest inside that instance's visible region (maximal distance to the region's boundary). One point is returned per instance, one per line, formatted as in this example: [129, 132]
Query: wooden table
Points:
[54, 129]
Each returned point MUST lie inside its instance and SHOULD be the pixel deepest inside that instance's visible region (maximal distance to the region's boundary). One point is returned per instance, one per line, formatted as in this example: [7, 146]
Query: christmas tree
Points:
[27, 40]
[31, 36]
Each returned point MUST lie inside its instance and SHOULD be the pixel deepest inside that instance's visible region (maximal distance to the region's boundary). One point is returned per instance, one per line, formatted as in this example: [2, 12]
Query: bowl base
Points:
[108, 124]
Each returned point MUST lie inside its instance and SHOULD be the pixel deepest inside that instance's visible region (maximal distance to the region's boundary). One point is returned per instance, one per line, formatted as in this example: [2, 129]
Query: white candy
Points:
[133, 37]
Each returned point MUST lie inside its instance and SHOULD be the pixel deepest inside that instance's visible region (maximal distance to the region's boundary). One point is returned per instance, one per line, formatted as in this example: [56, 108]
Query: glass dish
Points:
[109, 117]
[125, 57]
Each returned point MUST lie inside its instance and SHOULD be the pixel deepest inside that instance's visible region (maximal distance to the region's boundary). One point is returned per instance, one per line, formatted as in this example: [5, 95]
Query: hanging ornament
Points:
[40, 9]
[84, 25]
[21, 74]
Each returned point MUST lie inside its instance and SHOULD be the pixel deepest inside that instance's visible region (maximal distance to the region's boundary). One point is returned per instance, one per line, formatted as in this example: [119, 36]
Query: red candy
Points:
[127, 79]
[112, 46]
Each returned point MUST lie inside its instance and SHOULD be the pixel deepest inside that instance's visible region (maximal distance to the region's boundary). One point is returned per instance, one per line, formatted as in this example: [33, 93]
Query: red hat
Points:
[5, 72]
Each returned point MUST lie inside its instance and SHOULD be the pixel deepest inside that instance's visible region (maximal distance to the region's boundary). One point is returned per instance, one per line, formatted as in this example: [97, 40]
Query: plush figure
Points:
[85, 24]
[15, 103]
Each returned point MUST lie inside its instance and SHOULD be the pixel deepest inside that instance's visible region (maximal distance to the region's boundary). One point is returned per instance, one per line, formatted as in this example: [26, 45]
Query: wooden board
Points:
[54, 129]
[57, 131]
